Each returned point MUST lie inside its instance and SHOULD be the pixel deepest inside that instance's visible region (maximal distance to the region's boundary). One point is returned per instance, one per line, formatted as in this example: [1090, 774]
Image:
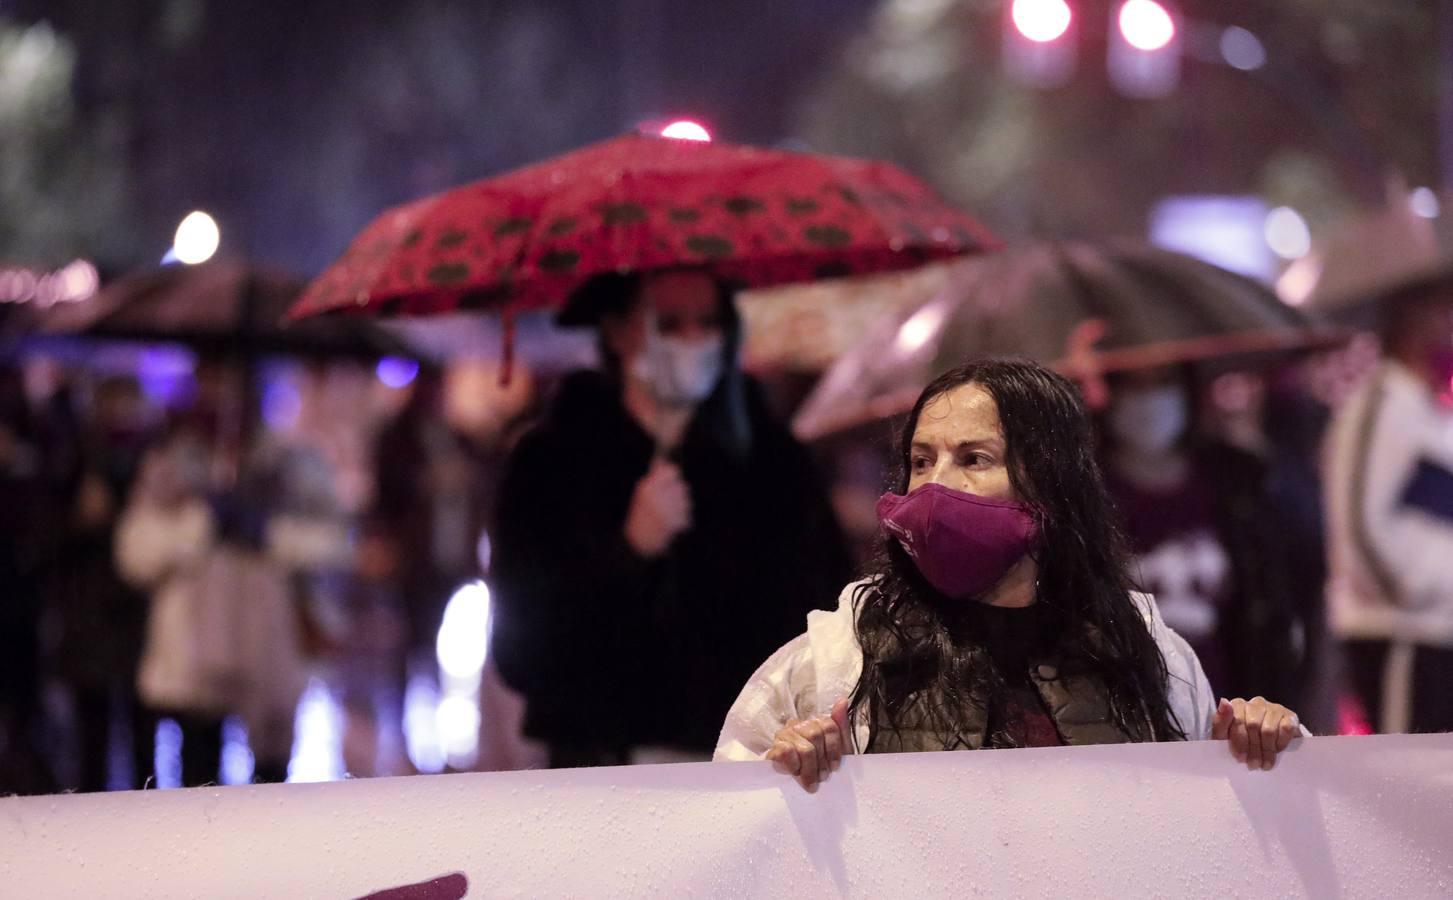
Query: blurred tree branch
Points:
[63, 189]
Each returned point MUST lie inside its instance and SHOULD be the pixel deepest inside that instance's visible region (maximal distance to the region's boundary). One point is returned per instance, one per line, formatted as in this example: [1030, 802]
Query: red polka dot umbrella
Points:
[527, 239]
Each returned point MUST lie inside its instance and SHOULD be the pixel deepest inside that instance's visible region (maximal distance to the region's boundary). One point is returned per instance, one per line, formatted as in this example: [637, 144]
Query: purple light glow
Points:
[396, 372]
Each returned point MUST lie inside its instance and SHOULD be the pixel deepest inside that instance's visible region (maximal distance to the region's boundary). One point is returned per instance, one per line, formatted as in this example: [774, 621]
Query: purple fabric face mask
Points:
[962, 543]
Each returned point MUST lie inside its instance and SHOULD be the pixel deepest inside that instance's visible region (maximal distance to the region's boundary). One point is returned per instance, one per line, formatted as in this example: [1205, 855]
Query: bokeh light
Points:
[1424, 202]
[920, 328]
[458, 722]
[1041, 21]
[421, 725]
[1242, 50]
[74, 282]
[1299, 280]
[1287, 234]
[1146, 25]
[318, 736]
[686, 130]
[463, 639]
[282, 402]
[197, 238]
[396, 372]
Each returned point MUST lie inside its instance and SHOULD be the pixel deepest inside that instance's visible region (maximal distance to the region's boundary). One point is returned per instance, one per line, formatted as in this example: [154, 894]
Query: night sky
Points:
[295, 122]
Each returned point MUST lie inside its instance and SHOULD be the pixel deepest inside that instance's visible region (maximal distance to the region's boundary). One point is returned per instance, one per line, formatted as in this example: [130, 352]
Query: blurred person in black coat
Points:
[27, 537]
[96, 621]
[658, 535]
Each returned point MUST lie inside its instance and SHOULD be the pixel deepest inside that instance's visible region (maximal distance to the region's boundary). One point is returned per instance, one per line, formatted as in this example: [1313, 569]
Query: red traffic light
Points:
[1146, 25]
[1041, 21]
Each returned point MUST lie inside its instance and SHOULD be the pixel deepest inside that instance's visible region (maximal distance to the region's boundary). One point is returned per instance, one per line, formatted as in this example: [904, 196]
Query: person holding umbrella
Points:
[658, 533]
[1000, 614]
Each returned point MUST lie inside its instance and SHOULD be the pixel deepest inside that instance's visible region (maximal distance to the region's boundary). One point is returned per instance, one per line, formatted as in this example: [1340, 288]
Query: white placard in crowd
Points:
[1338, 817]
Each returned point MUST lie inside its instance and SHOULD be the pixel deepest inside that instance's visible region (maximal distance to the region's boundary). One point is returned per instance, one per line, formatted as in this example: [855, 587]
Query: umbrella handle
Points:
[658, 414]
[507, 350]
[1081, 363]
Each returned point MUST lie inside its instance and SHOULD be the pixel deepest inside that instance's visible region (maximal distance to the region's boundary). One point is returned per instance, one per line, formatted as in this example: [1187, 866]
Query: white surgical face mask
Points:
[1149, 420]
[680, 373]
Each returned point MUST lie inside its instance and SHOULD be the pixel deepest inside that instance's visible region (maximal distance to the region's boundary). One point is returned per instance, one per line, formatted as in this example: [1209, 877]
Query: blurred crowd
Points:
[193, 552]
[208, 559]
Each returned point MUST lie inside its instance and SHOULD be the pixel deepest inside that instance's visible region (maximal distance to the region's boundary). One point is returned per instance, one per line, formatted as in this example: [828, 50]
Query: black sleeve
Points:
[820, 562]
[564, 575]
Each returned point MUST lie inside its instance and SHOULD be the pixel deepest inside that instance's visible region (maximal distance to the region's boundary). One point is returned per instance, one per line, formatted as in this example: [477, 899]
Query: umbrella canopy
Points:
[223, 306]
[808, 327]
[529, 238]
[798, 328]
[1368, 261]
[538, 342]
[1084, 308]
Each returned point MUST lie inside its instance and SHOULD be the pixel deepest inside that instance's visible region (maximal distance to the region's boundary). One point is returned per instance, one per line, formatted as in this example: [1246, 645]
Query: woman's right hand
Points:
[660, 510]
[809, 749]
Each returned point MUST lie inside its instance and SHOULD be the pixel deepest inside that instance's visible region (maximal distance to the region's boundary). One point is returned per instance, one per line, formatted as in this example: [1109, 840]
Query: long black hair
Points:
[918, 658]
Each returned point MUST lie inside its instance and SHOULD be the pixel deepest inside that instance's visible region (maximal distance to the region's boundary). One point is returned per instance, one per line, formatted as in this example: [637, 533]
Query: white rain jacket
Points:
[813, 671]
[223, 634]
[164, 550]
[1391, 573]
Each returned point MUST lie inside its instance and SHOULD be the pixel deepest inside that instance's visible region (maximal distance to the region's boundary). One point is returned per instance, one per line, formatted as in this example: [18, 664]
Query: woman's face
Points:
[686, 306]
[959, 443]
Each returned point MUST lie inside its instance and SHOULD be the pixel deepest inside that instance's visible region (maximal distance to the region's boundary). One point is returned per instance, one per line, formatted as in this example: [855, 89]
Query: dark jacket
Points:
[1274, 539]
[99, 621]
[1272, 586]
[409, 502]
[614, 650]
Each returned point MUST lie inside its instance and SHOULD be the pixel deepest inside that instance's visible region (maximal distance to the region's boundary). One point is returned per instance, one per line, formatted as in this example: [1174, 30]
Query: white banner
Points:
[1338, 817]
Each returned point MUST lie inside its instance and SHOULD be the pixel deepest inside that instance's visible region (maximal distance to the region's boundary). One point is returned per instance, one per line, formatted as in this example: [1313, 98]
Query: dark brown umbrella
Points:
[1085, 308]
[217, 306]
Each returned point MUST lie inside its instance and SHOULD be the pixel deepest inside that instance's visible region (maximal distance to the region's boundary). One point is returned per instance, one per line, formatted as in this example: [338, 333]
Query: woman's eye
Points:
[978, 459]
[920, 464]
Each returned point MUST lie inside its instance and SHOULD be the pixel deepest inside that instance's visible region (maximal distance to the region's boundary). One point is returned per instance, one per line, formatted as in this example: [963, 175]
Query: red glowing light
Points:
[1041, 21]
[1146, 25]
[686, 130]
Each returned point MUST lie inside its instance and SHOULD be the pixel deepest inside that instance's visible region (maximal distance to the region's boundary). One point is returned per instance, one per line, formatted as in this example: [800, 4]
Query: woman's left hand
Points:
[1257, 729]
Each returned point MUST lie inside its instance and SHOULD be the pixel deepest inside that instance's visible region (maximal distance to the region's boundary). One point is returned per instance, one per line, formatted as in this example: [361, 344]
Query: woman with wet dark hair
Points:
[999, 614]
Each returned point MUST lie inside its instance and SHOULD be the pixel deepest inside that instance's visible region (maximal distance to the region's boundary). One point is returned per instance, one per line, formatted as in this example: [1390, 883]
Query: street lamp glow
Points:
[686, 130]
[1041, 21]
[1287, 234]
[1146, 25]
[196, 239]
